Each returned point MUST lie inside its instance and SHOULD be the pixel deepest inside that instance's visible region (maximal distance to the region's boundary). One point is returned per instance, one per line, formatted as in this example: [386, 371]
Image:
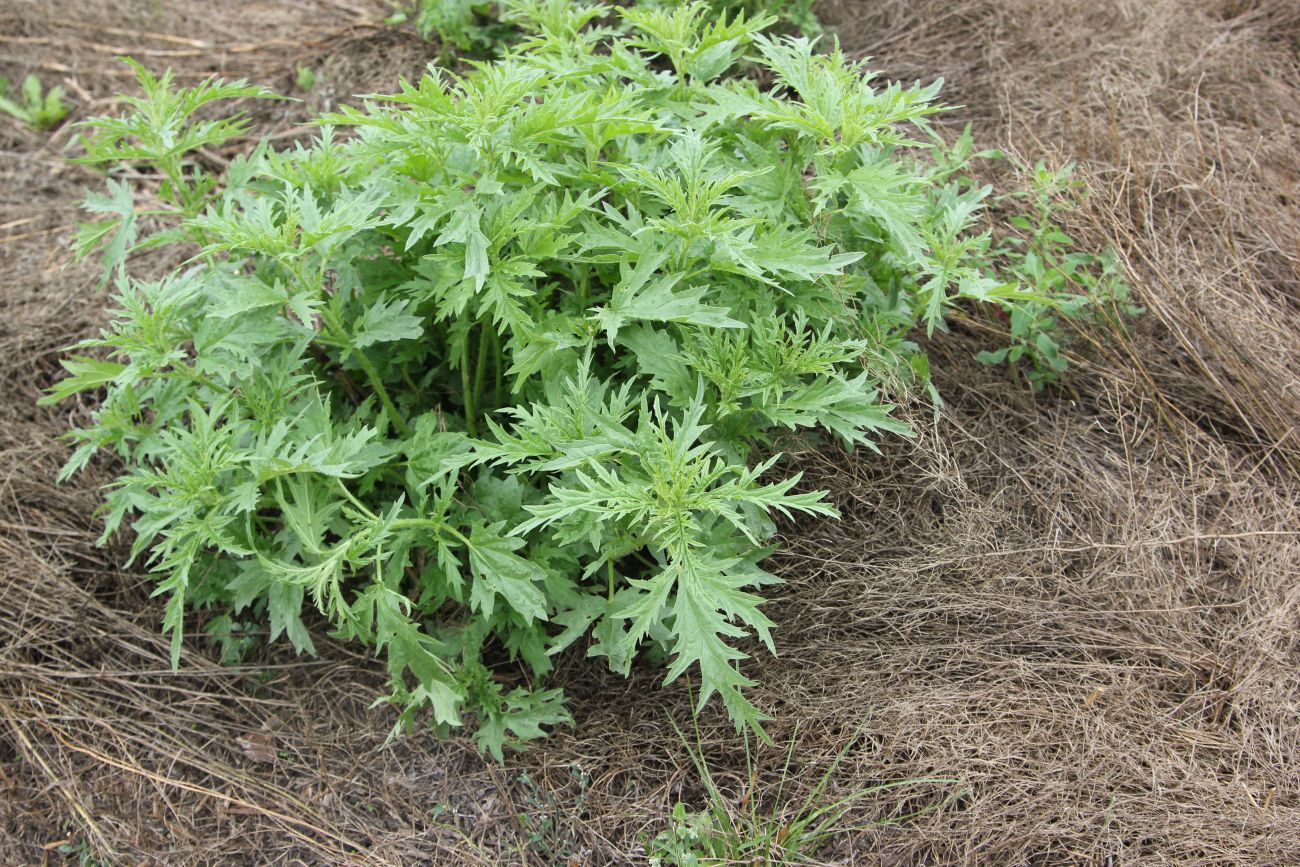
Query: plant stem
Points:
[340, 334]
[498, 371]
[360, 505]
[480, 366]
[582, 280]
[377, 383]
[466, 391]
[432, 524]
[193, 376]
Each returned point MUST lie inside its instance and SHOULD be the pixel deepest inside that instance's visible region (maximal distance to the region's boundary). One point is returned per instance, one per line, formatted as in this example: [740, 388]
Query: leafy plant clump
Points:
[482, 29]
[769, 828]
[470, 28]
[496, 374]
[1083, 287]
[38, 108]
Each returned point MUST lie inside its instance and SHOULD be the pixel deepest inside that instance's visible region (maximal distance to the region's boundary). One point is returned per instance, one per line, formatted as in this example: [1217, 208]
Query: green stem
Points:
[431, 524]
[610, 579]
[372, 374]
[498, 369]
[480, 366]
[340, 335]
[175, 176]
[405, 523]
[582, 281]
[360, 505]
[193, 376]
[466, 391]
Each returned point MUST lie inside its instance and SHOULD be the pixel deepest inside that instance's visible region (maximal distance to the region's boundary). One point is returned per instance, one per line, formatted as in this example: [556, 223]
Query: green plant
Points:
[1080, 287]
[305, 78]
[39, 110]
[793, 16]
[544, 819]
[507, 367]
[473, 28]
[756, 829]
[484, 28]
[85, 856]
[234, 638]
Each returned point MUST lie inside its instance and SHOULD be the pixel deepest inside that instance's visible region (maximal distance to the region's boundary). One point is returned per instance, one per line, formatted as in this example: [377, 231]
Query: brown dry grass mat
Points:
[1082, 604]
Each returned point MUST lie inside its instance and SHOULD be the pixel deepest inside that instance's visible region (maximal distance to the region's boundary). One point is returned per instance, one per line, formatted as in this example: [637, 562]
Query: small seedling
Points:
[305, 79]
[543, 818]
[81, 851]
[1079, 287]
[42, 110]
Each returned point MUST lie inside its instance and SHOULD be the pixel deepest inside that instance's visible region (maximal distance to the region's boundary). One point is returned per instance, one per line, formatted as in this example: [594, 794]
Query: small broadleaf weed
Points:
[1078, 288]
[33, 105]
[485, 372]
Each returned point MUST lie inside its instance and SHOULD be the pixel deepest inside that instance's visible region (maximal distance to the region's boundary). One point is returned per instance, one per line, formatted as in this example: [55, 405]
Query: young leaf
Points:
[83, 374]
[498, 571]
[384, 322]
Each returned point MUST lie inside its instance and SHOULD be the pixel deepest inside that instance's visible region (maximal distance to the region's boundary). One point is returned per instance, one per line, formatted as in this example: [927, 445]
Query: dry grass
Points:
[1084, 605]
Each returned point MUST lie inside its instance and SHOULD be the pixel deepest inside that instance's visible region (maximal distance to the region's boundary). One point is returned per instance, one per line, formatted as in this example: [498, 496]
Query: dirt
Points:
[1081, 604]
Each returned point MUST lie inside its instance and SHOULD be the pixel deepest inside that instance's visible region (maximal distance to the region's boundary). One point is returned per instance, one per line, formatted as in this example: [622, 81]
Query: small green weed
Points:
[543, 819]
[39, 109]
[475, 29]
[82, 852]
[234, 638]
[1083, 287]
[758, 829]
[305, 79]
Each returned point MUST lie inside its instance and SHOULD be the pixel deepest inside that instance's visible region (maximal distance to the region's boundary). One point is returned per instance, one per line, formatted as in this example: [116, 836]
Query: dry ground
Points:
[1082, 604]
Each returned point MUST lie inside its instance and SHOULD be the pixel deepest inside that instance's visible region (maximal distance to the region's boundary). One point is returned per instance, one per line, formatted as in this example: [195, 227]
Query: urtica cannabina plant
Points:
[482, 378]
